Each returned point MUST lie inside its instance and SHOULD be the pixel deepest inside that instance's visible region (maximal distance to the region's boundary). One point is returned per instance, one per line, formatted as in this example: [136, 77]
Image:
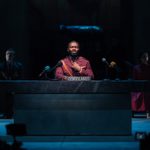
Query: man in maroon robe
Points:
[73, 64]
[141, 100]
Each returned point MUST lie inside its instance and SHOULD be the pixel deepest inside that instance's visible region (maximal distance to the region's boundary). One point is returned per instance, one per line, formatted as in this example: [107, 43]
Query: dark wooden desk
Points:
[72, 107]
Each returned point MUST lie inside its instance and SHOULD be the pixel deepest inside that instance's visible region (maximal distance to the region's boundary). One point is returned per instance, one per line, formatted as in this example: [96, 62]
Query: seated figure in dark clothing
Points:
[10, 69]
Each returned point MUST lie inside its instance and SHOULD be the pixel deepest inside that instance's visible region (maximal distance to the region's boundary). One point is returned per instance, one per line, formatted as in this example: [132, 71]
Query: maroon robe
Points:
[141, 100]
[61, 71]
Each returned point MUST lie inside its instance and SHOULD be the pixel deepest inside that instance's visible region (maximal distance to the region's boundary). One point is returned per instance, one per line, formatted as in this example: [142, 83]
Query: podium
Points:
[73, 107]
[74, 114]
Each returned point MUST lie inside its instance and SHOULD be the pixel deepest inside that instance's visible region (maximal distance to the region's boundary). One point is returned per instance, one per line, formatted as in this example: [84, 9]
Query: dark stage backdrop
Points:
[32, 28]
[141, 24]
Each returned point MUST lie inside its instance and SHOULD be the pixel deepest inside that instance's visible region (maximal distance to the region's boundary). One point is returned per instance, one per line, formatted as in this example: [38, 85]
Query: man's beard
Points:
[73, 55]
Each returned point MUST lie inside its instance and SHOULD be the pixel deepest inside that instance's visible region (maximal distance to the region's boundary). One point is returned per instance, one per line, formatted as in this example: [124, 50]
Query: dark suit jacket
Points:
[10, 72]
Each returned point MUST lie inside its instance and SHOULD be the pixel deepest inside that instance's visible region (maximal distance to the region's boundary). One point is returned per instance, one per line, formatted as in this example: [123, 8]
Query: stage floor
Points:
[80, 142]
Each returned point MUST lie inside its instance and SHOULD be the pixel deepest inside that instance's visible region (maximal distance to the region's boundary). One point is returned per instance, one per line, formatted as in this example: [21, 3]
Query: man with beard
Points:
[73, 64]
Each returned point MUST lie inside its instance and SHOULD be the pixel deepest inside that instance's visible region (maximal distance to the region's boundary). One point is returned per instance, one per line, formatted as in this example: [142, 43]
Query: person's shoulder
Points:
[65, 59]
[83, 58]
[18, 64]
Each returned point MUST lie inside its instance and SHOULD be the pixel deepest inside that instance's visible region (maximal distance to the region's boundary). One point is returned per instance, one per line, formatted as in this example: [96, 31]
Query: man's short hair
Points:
[11, 49]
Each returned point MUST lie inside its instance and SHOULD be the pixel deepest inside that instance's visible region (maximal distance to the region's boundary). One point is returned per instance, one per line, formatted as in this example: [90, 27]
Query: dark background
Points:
[32, 28]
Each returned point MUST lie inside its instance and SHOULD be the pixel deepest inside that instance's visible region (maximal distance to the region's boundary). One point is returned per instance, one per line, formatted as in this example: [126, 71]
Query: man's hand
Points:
[77, 67]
